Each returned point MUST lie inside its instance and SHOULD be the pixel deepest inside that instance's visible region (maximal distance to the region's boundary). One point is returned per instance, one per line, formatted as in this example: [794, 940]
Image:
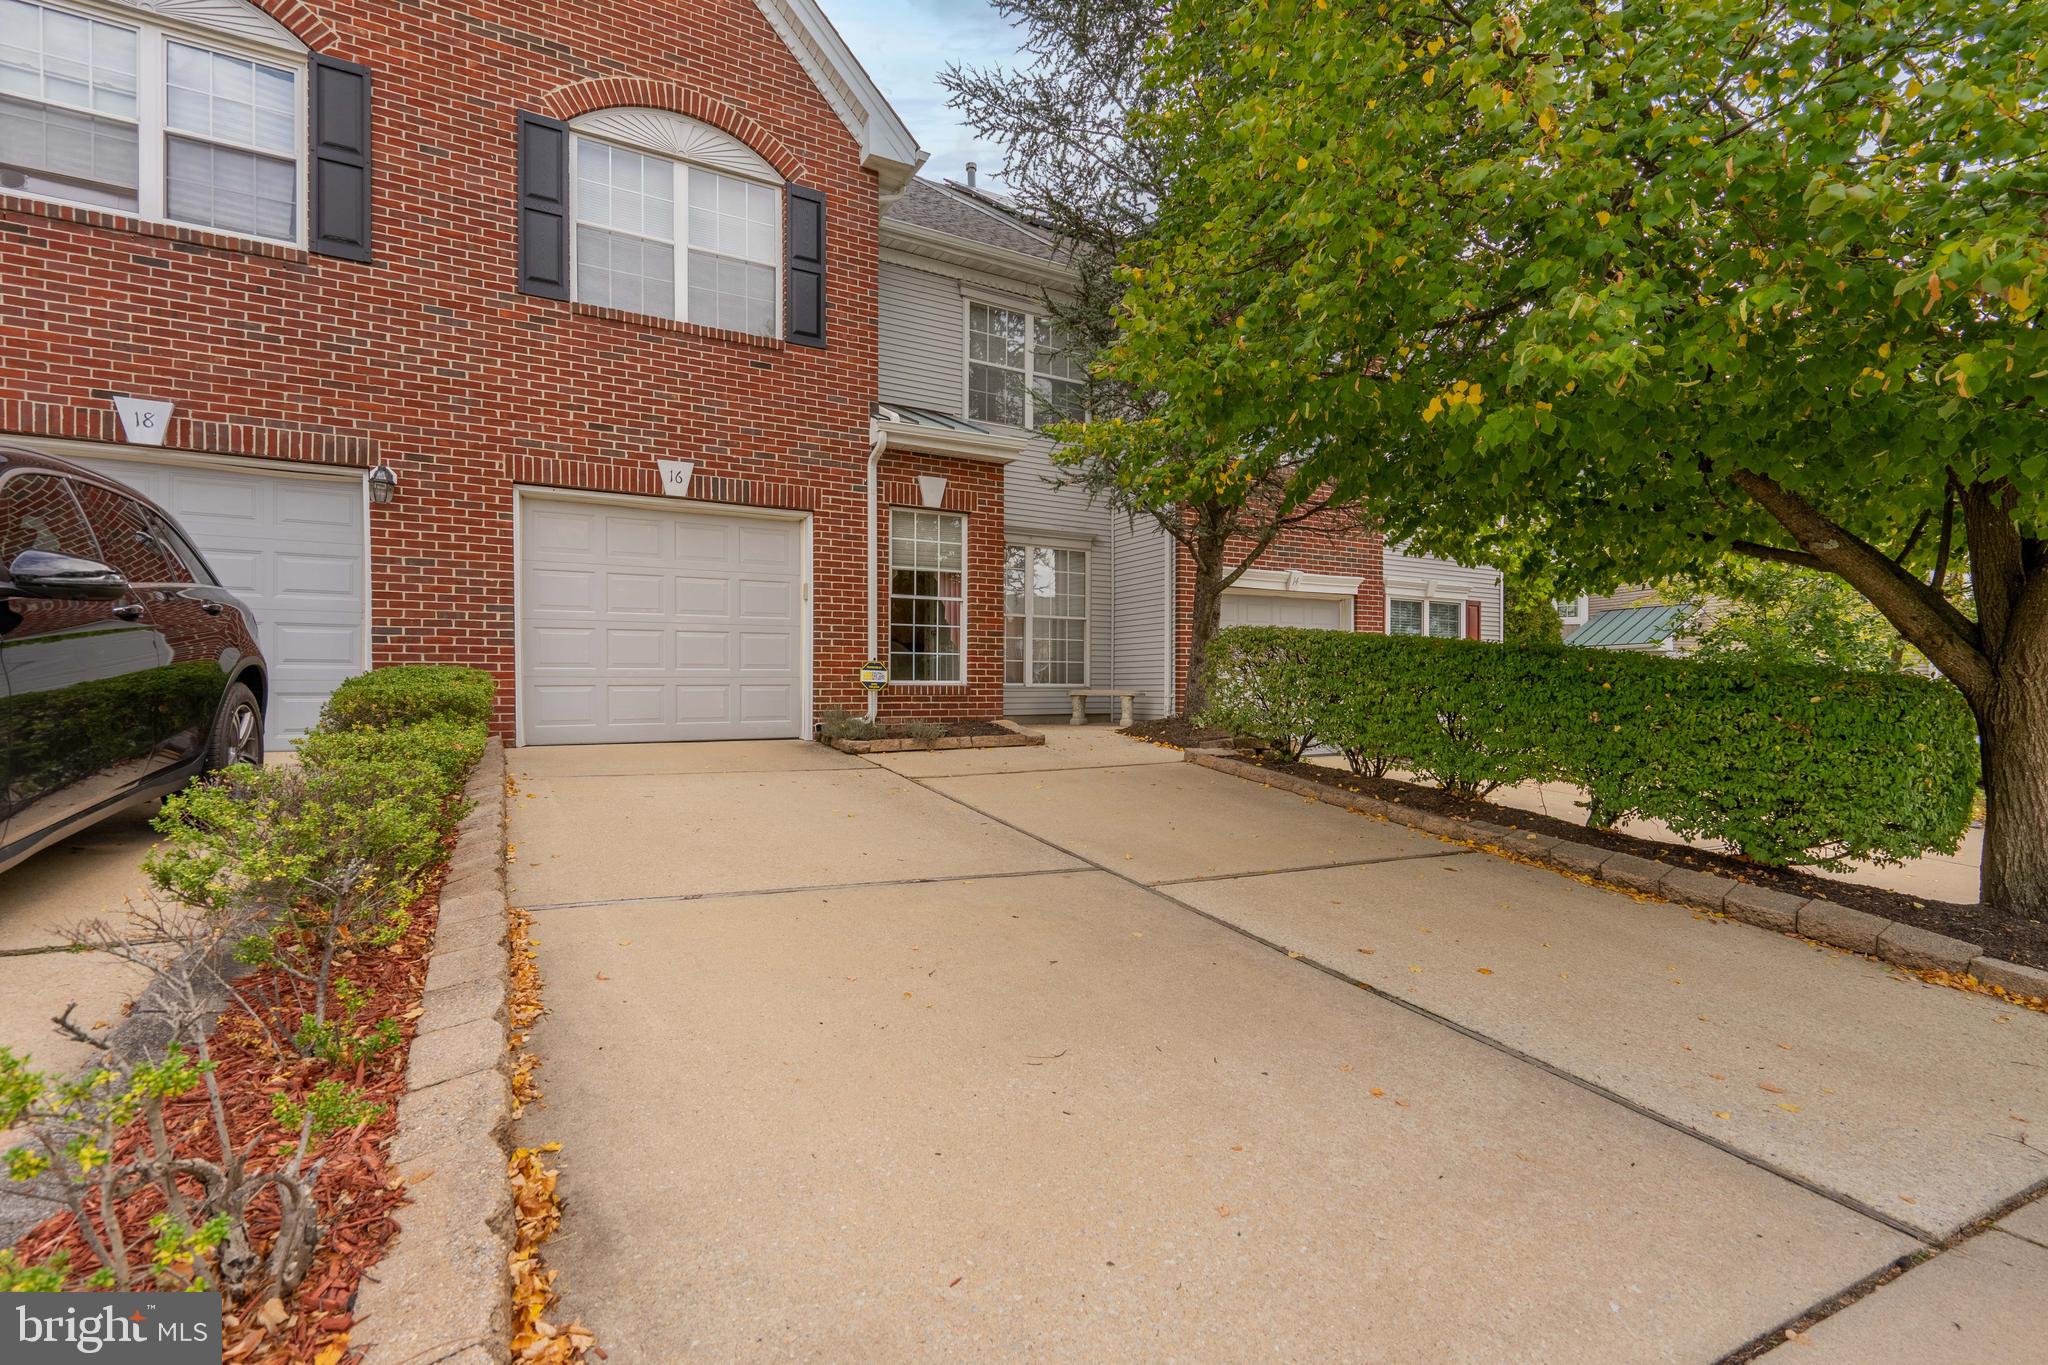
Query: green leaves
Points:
[1687, 230]
[1789, 763]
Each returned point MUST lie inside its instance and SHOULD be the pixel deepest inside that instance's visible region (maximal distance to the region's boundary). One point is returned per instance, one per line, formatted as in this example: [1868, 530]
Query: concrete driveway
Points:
[1084, 1053]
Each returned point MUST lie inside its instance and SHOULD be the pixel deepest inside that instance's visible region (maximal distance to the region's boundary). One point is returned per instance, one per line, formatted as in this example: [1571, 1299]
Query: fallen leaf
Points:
[1377, 1092]
[272, 1313]
[1720, 1113]
[1773, 1089]
[1485, 971]
[1907, 1199]
[1716, 1076]
[1788, 1108]
[1367, 951]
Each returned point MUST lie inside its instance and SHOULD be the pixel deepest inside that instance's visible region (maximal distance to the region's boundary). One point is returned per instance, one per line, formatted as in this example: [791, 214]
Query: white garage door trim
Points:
[87, 451]
[523, 494]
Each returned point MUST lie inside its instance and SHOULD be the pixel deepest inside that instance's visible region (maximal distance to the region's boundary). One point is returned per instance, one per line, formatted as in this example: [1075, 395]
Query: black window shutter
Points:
[543, 206]
[340, 208]
[806, 216]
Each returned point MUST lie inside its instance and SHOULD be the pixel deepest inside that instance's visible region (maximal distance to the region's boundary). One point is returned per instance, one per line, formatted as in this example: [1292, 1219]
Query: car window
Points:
[173, 540]
[37, 512]
[128, 538]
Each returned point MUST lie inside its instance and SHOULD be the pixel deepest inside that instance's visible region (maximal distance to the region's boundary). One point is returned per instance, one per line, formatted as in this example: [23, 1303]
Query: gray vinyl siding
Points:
[1144, 577]
[1419, 576]
[922, 339]
[1036, 511]
[922, 362]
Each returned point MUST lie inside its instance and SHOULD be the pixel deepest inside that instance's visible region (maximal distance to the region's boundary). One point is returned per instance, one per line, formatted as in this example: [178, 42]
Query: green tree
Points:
[1082, 162]
[1652, 282]
[1786, 614]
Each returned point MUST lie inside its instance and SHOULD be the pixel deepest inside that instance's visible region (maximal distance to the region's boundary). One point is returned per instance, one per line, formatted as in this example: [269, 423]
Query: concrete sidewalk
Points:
[1063, 1052]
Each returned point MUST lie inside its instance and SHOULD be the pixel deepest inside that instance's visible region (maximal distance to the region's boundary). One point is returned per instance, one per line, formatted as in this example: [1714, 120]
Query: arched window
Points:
[675, 219]
[179, 111]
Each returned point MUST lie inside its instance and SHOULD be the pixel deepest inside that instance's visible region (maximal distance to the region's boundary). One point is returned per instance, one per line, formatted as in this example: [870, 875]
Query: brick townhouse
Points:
[550, 339]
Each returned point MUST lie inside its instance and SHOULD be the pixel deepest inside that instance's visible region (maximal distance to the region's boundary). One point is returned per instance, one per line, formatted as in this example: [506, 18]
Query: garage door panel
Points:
[571, 706]
[766, 704]
[627, 537]
[764, 548]
[698, 624]
[291, 547]
[635, 649]
[703, 649]
[636, 594]
[336, 578]
[762, 600]
[698, 705]
[569, 590]
[553, 647]
[767, 653]
[703, 597]
[567, 531]
[702, 542]
[303, 645]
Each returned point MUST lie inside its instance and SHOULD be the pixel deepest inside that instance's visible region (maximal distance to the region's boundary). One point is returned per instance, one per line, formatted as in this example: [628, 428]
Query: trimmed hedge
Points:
[1790, 764]
[406, 694]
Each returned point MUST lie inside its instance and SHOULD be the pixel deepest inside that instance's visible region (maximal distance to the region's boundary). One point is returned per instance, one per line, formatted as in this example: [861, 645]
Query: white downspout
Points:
[876, 439]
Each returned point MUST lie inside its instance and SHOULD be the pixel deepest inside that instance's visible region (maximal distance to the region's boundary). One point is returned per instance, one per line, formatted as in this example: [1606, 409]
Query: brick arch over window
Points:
[306, 24]
[586, 97]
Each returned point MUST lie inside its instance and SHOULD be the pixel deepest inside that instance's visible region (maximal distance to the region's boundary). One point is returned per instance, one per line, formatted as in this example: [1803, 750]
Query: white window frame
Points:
[679, 241]
[888, 620]
[1426, 602]
[1575, 612]
[1087, 617]
[1032, 319]
[152, 70]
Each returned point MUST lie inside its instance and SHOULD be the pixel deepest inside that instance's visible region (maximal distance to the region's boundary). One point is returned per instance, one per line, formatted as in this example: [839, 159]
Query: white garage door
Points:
[658, 624]
[291, 547]
[1265, 609]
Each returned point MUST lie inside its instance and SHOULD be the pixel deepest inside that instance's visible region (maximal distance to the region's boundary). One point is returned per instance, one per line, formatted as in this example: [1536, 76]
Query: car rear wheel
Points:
[237, 730]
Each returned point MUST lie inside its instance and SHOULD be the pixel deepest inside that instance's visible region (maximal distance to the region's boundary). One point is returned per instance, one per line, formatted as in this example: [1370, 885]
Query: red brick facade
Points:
[1341, 549]
[429, 361]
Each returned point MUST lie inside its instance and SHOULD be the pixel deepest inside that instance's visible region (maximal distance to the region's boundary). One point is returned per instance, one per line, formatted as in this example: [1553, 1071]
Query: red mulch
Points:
[358, 1189]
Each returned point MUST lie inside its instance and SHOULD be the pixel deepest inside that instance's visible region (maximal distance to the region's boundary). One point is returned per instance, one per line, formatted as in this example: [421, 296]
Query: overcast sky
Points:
[904, 44]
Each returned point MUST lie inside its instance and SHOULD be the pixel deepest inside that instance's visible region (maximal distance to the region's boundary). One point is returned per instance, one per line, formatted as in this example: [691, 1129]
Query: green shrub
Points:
[448, 749]
[387, 698]
[1789, 763]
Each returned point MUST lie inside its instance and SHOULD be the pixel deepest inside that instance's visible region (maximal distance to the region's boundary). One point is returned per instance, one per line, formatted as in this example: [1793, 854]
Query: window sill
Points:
[660, 324]
[114, 220]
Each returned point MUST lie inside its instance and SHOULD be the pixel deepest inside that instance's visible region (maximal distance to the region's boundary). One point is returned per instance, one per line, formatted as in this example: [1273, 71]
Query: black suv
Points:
[125, 668]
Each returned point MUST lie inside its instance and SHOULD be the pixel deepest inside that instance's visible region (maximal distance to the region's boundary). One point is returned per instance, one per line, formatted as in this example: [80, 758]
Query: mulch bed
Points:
[358, 1189]
[2015, 940]
[955, 729]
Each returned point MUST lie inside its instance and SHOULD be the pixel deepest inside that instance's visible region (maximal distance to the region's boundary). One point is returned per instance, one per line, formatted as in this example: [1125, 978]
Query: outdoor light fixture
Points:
[383, 483]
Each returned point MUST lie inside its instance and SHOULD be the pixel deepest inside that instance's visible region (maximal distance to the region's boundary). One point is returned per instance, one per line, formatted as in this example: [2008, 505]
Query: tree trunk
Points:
[2013, 731]
[1207, 550]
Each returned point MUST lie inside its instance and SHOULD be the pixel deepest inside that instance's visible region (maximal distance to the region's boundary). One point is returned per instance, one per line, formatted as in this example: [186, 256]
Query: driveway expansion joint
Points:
[1835, 1197]
[799, 890]
[1316, 867]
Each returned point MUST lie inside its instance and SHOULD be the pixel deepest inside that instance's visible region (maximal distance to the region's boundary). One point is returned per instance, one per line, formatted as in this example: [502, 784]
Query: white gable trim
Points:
[234, 18]
[670, 134]
[886, 145]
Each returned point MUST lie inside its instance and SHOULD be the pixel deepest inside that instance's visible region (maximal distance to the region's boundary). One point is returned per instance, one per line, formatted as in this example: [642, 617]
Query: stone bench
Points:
[1080, 697]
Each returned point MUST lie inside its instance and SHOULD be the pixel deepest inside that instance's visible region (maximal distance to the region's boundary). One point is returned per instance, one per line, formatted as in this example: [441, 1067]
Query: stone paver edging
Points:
[1017, 737]
[443, 1290]
[1838, 925]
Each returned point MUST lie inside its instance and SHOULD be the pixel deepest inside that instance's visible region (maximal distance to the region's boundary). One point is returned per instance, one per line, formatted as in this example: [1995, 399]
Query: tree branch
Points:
[1946, 636]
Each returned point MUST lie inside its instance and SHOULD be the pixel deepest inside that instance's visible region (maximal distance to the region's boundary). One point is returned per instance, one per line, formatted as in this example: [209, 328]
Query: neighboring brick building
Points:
[183, 217]
[566, 341]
